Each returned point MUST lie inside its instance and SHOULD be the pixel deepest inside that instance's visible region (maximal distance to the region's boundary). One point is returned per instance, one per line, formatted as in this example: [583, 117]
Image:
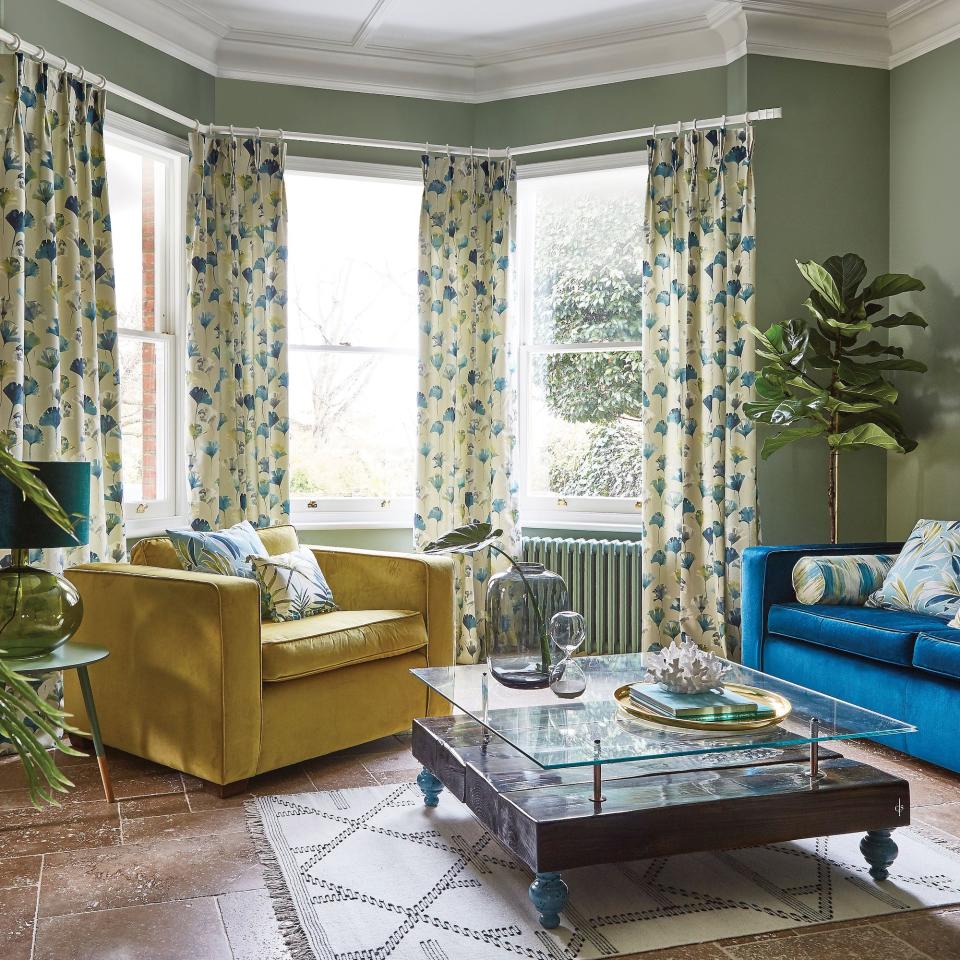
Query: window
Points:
[352, 334]
[581, 263]
[144, 206]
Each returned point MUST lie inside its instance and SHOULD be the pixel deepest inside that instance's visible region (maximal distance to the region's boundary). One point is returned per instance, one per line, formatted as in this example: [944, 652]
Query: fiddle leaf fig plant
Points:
[822, 380]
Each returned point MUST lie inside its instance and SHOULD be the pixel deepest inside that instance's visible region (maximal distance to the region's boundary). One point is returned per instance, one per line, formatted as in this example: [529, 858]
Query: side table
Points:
[75, 656]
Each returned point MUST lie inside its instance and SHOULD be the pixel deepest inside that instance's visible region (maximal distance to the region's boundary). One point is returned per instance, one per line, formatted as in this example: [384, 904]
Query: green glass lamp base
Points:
[39, 611]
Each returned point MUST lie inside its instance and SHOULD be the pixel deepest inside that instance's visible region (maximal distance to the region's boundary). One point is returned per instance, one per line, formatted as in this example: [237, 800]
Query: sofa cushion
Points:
[298, 648]
[225, 552]
[938, 651]
[885, 635]
[159, 552]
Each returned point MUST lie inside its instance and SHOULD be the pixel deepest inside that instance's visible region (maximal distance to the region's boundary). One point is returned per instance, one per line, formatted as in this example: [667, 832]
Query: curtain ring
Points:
[196, 126]
[258, 132]
[102, 83]
[40, 55]
[231, 130]
[426, 147]
[449, 157]
[679, 127]
[280, 131]
[81, 73]
[16, 43]
[723, 122]
[653, 136]
[66, 63]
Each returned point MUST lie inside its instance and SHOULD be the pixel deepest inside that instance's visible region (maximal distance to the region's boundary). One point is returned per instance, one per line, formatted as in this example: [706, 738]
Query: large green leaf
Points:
[874, 348]
[890, 285]
[878, 389]
[864, 435]
[843, 326]
[822, 282]
[772, 444]
[466, 539]
[784, 412]
[908, 319]
[899, 363]
[848, 272]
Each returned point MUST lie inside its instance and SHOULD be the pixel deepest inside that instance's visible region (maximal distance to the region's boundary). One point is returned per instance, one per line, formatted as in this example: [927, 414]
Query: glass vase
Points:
[520, 605]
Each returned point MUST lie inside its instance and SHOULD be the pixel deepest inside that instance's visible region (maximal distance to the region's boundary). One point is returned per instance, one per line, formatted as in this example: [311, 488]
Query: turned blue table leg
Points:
[429, 786]
[549, 895]
[880, 851]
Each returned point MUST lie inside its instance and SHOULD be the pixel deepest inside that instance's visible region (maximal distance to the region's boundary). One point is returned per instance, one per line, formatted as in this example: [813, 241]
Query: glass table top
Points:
[562, 733]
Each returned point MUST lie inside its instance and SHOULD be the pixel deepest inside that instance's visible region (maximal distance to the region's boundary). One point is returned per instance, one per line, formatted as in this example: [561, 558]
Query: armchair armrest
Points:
[372, 580]
[767, 579]
[182, 684]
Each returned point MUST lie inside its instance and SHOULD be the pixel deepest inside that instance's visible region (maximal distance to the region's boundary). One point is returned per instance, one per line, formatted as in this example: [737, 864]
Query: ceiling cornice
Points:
[799, 29]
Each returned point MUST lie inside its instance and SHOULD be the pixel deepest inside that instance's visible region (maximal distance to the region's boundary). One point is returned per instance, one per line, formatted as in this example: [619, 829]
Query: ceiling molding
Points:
[715, 34]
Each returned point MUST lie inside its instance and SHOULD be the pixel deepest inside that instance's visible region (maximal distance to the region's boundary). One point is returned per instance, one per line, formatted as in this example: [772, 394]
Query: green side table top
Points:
[67, 657]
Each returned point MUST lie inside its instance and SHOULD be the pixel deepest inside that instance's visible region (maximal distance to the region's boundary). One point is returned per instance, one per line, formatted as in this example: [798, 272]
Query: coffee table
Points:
[564, 784]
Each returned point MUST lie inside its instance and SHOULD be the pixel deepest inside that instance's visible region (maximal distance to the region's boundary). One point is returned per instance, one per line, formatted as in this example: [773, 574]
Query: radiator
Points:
[603, 578]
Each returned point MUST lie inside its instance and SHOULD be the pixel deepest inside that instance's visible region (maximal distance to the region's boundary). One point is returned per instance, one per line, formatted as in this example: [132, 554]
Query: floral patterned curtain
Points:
[59, 364]
[237, 340]
[467, 394]
[699, 469]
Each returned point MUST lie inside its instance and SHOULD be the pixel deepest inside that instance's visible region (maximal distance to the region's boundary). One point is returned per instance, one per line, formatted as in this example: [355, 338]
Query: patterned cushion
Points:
[221, 551]
[292, 586]
[847, 580]
[926, 576]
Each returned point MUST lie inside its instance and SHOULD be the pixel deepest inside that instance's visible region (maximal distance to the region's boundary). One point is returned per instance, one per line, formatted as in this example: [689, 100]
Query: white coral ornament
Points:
[685, 668]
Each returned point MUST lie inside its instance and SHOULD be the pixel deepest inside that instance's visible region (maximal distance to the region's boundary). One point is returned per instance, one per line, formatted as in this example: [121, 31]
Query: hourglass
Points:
[568, 631]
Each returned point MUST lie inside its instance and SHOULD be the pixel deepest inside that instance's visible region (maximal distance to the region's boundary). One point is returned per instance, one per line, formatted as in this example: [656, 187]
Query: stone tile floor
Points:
[168, 872]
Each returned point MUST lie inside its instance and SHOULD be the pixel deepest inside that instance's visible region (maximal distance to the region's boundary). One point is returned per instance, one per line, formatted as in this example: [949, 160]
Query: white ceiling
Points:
[473, 51]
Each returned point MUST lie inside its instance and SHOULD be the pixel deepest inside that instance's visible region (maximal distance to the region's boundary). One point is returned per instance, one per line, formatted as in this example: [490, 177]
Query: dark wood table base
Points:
[654, 808]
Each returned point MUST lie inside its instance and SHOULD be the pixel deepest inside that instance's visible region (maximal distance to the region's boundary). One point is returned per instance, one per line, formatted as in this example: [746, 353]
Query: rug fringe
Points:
[294, 937]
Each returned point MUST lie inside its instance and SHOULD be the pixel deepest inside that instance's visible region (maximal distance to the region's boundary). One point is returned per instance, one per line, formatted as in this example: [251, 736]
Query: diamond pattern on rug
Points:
[372, 873]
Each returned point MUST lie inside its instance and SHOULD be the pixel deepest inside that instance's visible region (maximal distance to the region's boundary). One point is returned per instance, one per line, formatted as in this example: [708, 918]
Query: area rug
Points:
[373, 873]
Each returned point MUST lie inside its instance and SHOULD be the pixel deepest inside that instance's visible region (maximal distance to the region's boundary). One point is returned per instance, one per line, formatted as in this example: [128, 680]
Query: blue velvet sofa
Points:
[905, 665]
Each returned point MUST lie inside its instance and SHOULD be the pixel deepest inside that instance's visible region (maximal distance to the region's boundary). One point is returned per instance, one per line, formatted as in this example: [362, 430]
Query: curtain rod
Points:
[15, 43]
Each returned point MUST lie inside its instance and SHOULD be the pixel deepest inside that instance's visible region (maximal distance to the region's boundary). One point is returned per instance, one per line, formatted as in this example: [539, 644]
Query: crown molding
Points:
[919, 26]
[724, 31]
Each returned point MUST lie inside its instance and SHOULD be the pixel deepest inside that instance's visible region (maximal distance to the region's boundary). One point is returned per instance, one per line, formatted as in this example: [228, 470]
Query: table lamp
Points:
[40, 611]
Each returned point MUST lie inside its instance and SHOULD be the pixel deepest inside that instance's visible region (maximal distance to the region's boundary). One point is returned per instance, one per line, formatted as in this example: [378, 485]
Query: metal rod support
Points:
[814, 748]
[15, 42]
[598, 796]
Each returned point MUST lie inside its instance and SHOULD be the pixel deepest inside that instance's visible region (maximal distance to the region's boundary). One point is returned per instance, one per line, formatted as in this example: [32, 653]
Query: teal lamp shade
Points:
[23, 525]
[40, 611]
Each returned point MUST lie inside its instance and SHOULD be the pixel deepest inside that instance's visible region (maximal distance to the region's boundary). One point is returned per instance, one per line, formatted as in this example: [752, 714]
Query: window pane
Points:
[142, 418]
[583, 417]
[136, 189]
[353, 260]
[587, 260]
[352, 424]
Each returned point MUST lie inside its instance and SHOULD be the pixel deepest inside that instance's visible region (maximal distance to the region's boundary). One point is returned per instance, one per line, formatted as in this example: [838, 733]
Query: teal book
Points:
[708, 705]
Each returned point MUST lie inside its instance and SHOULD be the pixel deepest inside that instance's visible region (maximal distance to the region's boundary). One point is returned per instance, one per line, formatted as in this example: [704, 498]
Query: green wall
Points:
[924, 212]
[821, 178]
[823, 184]
[125, 61]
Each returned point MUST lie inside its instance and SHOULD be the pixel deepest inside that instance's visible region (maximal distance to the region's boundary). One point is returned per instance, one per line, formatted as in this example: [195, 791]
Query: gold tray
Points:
[781, 706]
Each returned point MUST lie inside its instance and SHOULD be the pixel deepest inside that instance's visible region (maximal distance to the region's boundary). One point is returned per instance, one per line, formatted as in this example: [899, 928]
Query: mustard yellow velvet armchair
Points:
[195, 681]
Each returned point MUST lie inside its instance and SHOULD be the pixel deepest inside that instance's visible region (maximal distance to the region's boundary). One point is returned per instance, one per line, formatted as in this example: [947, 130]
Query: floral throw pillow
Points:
[926, 575]
[218, 551]
[292, 585]
[833, 580]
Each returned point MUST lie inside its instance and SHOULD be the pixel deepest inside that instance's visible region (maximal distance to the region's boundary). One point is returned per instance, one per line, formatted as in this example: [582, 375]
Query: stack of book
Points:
[711, 706]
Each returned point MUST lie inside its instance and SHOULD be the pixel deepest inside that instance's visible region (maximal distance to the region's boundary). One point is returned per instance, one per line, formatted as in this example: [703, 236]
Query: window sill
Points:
[138, 527]
[312, 523]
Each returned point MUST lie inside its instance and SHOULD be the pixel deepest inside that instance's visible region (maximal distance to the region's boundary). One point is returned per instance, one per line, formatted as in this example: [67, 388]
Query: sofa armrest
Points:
[182, 684]
[372, 580]
[767, 579]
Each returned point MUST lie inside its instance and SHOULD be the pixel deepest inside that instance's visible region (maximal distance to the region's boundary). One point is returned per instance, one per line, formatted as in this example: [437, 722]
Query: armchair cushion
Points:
[938, 651]
[218, 551]
[292, 586]
[299, 648]
[159, 552]
[883, 635]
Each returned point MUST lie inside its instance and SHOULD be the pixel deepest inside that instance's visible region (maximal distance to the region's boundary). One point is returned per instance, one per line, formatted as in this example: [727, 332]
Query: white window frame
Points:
[331, 513]
[145, 518]
[563, 513]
